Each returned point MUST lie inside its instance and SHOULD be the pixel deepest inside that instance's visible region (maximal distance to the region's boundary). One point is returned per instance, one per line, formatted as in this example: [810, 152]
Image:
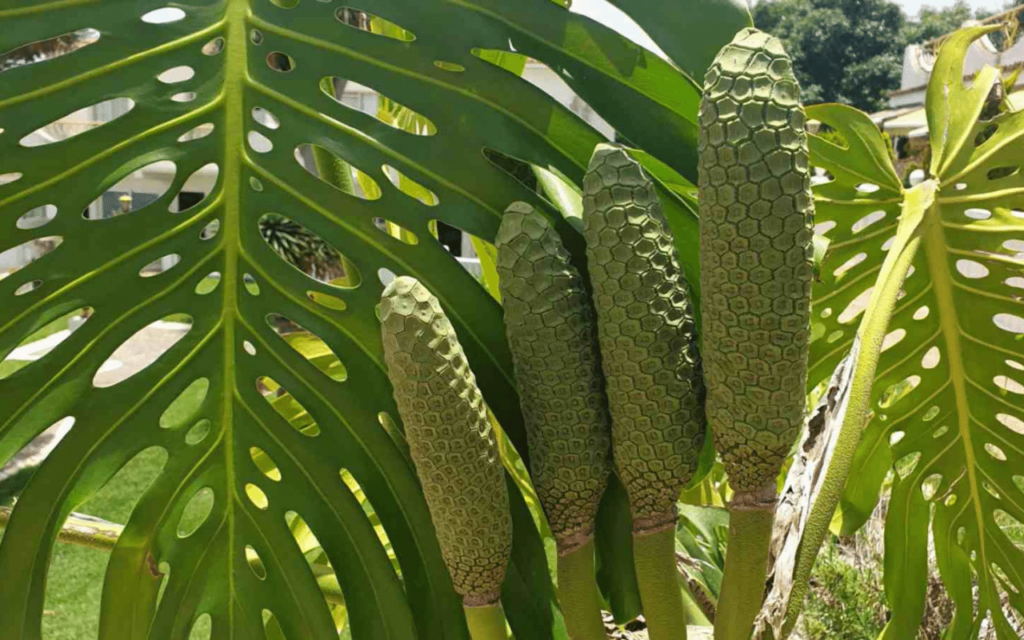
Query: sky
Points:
[606, 14]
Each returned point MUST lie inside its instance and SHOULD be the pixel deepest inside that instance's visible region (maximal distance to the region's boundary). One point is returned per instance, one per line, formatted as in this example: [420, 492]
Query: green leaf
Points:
[440, 104]
[946, 410]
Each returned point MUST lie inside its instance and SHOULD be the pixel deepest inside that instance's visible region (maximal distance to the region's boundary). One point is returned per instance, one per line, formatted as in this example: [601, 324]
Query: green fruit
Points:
[450, 439]
[648, 340]
[553, 338]
[756, 227]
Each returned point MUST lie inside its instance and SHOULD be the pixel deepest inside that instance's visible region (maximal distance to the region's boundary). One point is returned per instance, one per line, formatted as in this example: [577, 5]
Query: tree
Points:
[843, 51]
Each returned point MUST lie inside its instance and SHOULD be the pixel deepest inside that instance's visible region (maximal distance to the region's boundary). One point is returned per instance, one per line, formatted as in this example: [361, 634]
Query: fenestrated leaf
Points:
[947, 402]
[274, 56]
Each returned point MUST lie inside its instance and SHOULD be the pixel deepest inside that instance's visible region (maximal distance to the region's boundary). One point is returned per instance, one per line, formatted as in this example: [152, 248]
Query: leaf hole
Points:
[1008, 384]
[28, 287]
[255, 563]
[185, 408]
[142, 350]
[906, 465]
[255, 184]
[868, 220]
[328, 301]
[339, 173]
[396, 231]
[197, 133]
[835, 336]
[960, 186]
[308, 345]
[55, 47]
[196, 188]
[930, 486]
[208, 284]
[971, 269]
[856, 307]
[992, 491]
[978, 214]
[1009, 322]
[386, 276]
[932, 413]
[850, 264]
[265, 464]
[307, 252]
[202, 628]
[122, 198]
[251, 286]
[259, 142]
[410, 187]
[286, 4]
[896, 437]
[279, 61]
[256, 37]
[175, 75]
[8, 178]
[1016, 282]
[198, 432]
[867, 187]
[197, 511]
[43, 341]
[184, 96]
[160, 265]
[257, 497]
[893, 338]
[249, 348]
[79, 122]
[210, 231]
[921, 313]
[995, 452]
[364, 501]
[1001, 172]
[1012, 423]
[941, 431]
[824, 227]
[166, 15]
[36, 218]
[371, 102]
[932, 358]
[287, 406]
[213, 47]
[266, 118]
[898, 391]
[370, 23]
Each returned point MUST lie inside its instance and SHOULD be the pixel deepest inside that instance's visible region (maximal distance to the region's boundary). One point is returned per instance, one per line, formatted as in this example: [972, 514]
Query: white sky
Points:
[605, 13]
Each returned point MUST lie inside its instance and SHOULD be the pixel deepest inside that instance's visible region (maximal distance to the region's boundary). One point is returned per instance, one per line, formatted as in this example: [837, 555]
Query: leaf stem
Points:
[655, 557]
[578, 594]
[746, 563]
[487, 622]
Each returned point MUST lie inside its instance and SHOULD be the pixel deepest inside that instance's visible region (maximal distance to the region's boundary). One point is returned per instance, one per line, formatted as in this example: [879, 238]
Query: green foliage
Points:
[846, 602]
[433, 60]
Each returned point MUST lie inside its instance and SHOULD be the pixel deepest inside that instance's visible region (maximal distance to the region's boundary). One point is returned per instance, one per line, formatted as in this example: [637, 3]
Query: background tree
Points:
[845, 50]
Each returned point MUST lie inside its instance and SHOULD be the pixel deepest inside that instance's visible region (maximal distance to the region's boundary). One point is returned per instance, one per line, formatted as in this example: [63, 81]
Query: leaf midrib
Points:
[935, 250]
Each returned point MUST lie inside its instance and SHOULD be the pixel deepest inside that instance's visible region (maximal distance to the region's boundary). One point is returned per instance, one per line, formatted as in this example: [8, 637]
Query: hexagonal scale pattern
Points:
[553, 337]
[647, 336]
[756, 226]
[450, 438]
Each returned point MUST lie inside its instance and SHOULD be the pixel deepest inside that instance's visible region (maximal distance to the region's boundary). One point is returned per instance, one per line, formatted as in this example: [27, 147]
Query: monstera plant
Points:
[276, 403]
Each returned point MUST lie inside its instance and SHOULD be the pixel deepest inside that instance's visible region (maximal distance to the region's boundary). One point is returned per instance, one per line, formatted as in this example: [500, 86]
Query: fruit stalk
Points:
[756, 226]
[651, 363]
[452, 446]
[553, 339]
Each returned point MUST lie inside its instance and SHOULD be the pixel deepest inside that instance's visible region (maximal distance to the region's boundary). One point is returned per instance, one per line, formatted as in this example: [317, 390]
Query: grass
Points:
[7, 367]
[847, 602]
[75, 581]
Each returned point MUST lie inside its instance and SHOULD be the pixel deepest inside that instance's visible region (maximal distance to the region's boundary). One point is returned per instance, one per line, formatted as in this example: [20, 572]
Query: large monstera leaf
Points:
[258, 80]
[946, 407]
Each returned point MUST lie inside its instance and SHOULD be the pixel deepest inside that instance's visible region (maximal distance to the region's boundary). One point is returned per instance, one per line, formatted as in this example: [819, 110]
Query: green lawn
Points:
[75, 582]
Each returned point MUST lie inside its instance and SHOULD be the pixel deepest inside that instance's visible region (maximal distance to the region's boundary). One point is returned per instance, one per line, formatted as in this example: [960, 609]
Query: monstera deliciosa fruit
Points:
[252, 89]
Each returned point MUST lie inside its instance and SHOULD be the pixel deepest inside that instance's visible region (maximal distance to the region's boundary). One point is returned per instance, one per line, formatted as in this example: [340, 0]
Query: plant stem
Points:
[746, 564]
[486, 622]
[655, 557]
[578, 594]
